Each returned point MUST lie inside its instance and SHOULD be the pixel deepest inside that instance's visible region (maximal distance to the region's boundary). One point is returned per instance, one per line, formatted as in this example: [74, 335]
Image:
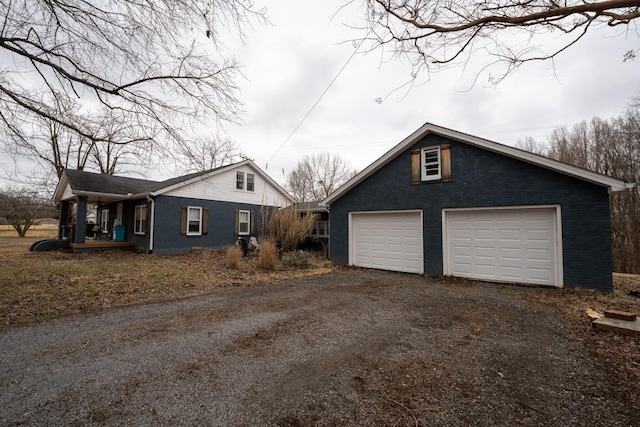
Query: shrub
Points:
[233, 257]
[267, 255]
[297, 259]
[287, 226]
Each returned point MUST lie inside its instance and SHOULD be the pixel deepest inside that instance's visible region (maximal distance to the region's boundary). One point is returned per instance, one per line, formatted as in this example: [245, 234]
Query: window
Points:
[430, 163]
[104, 220]
[244, 220]
[245, 181]
[140, 219]
[194, 221]
[250, 181]
[239, 180]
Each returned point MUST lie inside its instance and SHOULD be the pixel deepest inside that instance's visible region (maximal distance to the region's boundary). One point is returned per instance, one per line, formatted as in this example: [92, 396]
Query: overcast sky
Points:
[289, 64]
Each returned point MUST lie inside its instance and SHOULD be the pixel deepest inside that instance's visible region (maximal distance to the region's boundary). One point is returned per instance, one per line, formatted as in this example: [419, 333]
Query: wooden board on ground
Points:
[616, 325]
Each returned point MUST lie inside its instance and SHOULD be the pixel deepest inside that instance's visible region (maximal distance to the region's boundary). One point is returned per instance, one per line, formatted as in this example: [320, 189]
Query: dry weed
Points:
[233, 257]
[267, 256]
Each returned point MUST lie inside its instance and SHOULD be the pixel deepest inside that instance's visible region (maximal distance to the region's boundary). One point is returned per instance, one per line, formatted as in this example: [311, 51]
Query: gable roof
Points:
[188, 179]
[111, 187]
[613, 184]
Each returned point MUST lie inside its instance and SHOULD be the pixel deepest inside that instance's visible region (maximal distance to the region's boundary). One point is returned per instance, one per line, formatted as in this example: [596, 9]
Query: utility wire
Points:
[317, 101]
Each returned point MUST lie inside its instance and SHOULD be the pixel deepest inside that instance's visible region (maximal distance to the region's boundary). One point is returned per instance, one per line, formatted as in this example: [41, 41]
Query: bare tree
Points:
[21, 207]
[317, 176]
[610, 147]
[436, 33]
[209, 152]
[157, 62]
[531, 145]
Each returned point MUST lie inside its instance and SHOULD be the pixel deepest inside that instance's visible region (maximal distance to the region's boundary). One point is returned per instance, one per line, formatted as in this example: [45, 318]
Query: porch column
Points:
[81, 220]
[64, 219]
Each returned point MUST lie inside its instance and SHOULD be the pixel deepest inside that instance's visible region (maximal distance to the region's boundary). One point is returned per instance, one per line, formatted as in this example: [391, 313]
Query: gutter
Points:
[152, 215]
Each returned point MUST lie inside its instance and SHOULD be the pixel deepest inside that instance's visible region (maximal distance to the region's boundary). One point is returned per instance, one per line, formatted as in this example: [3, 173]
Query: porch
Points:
[100, 245]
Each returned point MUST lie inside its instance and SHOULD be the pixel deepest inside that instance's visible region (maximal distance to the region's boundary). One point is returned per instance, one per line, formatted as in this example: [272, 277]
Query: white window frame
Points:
[189, 220]
[104, 221]
[251, 179]
[140, 219]
[241, 222]
[429, 166]
[240, 180]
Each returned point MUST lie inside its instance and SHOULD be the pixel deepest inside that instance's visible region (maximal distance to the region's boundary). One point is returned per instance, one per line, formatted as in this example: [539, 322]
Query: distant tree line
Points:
[610, 147]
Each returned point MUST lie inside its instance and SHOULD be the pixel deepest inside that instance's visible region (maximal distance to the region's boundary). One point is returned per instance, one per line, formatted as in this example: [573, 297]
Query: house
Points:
[444, 203]
[208, 209]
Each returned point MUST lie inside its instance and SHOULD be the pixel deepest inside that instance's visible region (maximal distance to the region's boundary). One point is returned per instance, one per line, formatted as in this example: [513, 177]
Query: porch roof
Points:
[109, 188]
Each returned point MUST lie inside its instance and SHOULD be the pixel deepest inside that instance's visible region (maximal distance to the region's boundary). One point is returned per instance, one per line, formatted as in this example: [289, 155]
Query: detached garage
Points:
[446, 203]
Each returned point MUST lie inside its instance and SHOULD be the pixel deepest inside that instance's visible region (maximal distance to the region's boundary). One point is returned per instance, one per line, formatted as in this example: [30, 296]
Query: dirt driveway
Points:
[352, 347]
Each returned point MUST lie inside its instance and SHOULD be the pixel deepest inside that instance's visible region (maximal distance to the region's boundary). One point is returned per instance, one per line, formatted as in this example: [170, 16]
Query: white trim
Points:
[613, 184]
[152, 222]
[446, 268]
[135, 219]
[423, 169]
[351, 232]
[244, 233]
[104, 220]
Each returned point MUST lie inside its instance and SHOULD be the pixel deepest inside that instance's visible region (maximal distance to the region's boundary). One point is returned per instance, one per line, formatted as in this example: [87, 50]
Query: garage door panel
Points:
[388, 241]
[512, 245]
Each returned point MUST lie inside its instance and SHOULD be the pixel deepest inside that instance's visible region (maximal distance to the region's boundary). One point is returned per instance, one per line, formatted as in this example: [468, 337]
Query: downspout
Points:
[151, 221]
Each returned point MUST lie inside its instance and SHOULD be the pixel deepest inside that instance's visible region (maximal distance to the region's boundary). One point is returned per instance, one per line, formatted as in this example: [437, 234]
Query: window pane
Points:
[240, 180]
[250, 180]
[430, 156]
[194, 214]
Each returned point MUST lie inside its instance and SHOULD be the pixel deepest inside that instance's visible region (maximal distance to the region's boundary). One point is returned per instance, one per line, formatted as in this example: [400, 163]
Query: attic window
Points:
[250, 181]
[245, 181]
[239, 180]
[430, 163]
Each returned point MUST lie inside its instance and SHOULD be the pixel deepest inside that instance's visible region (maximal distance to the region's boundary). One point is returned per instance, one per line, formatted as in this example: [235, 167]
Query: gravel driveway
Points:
[353, 347]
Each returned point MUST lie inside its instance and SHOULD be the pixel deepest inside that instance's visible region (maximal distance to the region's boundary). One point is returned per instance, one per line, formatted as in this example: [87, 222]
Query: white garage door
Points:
[510, 245]
[387, 241]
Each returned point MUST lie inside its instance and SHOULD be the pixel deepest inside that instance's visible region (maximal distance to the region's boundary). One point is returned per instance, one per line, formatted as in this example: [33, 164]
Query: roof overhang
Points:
[613, 184]
[65, 192]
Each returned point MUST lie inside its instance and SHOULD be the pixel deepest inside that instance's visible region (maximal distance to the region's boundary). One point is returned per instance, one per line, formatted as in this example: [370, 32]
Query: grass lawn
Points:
[36, 286]
[10, 242]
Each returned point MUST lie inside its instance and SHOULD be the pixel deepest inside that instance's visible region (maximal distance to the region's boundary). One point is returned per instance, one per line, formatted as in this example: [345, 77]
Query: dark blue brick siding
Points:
[482, 178]
[221, 224]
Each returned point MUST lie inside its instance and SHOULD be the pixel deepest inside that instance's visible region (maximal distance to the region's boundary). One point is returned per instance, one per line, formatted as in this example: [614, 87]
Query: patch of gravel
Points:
[353, 347]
